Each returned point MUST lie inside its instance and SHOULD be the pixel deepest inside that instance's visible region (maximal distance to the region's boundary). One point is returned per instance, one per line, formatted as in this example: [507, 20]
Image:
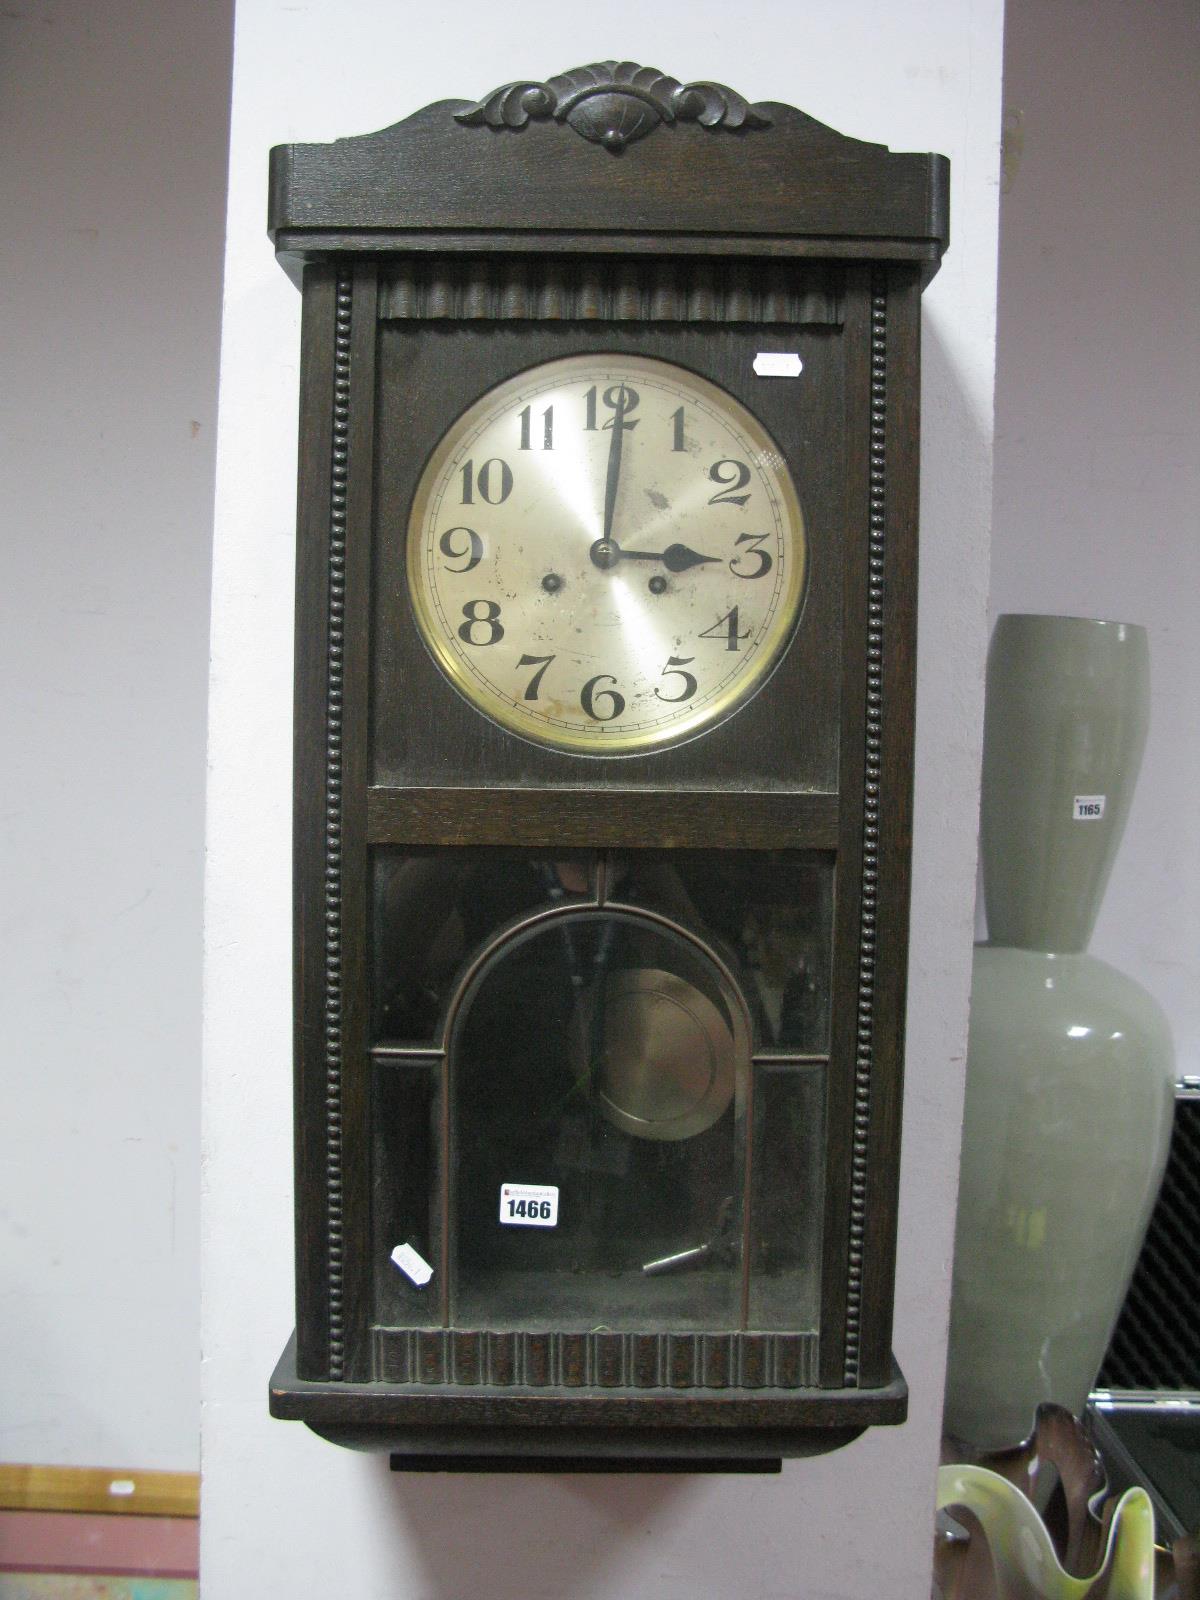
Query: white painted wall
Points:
[1097, 504]
[285, 1514]
[112, 128]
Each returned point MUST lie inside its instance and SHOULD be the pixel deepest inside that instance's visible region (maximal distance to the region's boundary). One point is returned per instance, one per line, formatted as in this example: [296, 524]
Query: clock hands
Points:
[606, 552]
[621, 400]
[676, 557]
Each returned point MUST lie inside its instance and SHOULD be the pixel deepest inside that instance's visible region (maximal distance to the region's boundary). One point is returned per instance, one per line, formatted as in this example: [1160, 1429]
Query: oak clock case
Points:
[604, 686]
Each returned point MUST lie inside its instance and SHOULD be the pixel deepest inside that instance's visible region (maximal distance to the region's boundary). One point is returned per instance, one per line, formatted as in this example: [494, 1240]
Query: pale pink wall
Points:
[1097, 491]
[113, 118]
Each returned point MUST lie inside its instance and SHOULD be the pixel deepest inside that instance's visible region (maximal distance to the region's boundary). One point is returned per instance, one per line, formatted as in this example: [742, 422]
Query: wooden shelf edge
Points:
[126, 1491]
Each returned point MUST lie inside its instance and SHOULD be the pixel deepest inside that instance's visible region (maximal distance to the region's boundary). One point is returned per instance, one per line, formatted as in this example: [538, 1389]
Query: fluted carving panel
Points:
[559, 289]
[468, 1357]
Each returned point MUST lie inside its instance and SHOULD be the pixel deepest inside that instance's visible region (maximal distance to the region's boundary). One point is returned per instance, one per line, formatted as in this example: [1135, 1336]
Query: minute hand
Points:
[676, 557]
[613, 478]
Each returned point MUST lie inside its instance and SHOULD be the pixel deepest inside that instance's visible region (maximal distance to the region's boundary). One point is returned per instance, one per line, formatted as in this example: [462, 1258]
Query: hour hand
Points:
[676, 557]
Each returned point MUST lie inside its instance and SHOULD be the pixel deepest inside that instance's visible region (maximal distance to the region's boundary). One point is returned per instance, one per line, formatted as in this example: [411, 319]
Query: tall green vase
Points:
[1070, 1068]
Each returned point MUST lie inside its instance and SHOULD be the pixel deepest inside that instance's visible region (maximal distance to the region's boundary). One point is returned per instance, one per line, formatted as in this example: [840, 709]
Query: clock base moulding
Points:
[738, 1430]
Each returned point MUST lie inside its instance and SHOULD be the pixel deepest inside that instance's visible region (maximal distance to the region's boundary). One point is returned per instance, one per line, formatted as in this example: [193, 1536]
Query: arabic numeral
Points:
[739, 478]
[541, 663]
[526, 416]
[494, 480]
[589, 694]
[488, 618]
[726, 628]
[674, 669]
[472, 550]
[765, 563]
[677, 420]
[621, 399]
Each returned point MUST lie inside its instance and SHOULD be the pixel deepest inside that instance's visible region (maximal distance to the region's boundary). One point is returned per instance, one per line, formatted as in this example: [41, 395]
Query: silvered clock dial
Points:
[606, 553]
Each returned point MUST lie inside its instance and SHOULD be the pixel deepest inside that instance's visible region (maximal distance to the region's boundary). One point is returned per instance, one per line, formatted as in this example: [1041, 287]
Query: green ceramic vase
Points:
[1070, 1068]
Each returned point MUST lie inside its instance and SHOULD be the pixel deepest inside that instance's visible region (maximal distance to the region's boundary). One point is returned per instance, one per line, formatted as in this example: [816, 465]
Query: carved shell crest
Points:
[613, 103]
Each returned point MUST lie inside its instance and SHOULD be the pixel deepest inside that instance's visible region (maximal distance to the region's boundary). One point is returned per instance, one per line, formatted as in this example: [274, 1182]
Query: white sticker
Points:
[778, 364]
[1089, 807]
[122, 1487]
[412, 1265]
[528, 1205]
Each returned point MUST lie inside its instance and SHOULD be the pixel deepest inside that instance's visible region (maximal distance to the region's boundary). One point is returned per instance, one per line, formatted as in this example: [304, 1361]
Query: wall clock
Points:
[605, 636]
[597, 574]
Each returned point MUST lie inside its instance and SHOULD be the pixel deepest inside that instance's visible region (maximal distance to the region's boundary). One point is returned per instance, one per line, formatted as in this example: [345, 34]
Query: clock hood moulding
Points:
[605, 158]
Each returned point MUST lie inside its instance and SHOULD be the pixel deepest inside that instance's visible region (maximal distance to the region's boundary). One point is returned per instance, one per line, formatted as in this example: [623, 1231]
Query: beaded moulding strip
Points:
[872, 774]
[339, 468]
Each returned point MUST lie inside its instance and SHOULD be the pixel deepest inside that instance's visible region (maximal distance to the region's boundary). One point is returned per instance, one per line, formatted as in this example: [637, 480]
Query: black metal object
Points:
[1160, 1451]
[1156, 1343]
[593, 1464]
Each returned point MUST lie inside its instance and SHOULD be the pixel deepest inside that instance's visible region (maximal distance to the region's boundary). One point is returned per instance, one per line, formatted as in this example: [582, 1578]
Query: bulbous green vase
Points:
[1070, 1067]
